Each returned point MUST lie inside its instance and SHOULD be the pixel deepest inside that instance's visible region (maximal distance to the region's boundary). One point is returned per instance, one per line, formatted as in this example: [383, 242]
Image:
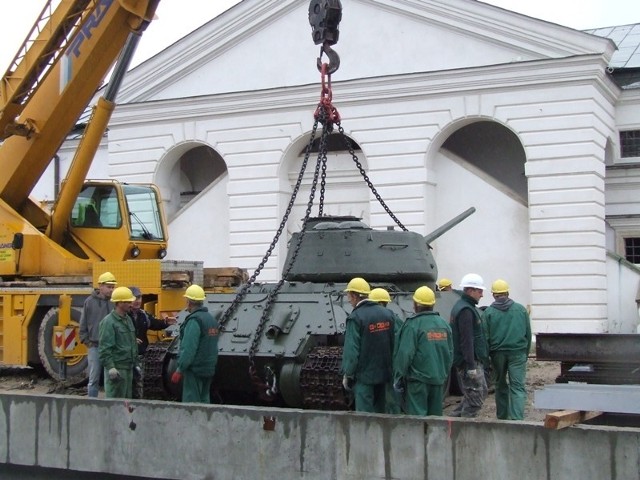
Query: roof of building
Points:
[627, 38]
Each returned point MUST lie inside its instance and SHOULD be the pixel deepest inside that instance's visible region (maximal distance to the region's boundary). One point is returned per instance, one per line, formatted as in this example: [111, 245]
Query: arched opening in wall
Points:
[493, 152]
[482, 165]
[345, 190]
[186, 173]
[199, 168]
[193, 180]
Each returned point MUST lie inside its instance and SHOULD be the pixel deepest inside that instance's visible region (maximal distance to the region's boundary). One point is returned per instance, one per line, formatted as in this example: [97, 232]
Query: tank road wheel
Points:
[76, 366]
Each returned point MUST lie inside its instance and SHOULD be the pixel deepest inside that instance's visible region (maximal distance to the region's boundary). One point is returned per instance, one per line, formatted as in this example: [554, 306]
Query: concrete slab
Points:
[188, 441]
[589, 397]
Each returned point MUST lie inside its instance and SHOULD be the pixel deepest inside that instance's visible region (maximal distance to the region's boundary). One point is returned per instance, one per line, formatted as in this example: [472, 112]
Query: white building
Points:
[452, 103]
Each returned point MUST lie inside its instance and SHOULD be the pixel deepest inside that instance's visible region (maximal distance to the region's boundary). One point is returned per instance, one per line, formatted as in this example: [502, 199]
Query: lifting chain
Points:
[323, 176]
[267, 390]
[324, 16]
[364, 175]
[326, 112]
[245, 287]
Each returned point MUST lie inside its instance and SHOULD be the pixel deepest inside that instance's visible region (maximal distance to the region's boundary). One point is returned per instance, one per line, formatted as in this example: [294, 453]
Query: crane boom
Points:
[66, 88]
[90, 143]
[34, 60]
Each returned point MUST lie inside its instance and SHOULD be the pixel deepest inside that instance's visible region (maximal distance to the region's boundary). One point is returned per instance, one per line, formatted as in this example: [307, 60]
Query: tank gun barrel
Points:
[448, 226]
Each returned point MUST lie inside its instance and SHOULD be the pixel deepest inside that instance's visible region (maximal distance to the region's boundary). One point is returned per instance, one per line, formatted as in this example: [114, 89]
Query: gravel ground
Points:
[539, 374]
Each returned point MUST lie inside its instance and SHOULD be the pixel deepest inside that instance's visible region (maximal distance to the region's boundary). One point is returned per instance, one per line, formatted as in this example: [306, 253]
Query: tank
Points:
[295, 352]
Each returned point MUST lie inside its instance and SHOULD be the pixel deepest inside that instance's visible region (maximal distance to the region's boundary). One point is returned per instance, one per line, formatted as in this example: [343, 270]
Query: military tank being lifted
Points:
[295, 354]
[281, 343]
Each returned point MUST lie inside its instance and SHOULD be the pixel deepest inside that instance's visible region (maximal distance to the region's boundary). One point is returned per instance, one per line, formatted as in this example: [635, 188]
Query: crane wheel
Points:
[77, 370]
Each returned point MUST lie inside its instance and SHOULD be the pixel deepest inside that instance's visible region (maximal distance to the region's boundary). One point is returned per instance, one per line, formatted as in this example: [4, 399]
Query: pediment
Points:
[262, 44]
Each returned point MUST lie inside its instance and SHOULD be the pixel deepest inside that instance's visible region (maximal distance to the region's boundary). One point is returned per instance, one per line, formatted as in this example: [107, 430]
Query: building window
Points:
[632, 249]
[630, 143]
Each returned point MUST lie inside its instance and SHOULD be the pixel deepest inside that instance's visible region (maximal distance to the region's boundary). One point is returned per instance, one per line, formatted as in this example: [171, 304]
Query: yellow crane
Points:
[50, 260]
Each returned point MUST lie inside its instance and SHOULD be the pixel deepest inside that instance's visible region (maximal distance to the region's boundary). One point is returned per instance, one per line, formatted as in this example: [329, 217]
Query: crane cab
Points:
[120, 221]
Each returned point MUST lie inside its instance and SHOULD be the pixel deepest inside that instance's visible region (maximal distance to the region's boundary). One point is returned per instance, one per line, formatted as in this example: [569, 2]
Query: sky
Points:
[177, 18]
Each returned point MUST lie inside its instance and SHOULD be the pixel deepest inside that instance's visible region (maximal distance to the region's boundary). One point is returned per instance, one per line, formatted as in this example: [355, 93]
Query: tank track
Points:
[320, 378]
[153, 381]
[321, 381]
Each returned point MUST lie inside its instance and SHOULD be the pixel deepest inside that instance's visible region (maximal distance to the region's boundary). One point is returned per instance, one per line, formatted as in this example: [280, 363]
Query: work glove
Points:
[398, 386]
[347, 383]
[137, 371]
[176, 377]
[114, 374]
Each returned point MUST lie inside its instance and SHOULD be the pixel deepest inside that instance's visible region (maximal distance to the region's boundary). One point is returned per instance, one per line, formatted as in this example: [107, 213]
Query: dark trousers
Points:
[393, 400]
[370, 398]
[138, 380]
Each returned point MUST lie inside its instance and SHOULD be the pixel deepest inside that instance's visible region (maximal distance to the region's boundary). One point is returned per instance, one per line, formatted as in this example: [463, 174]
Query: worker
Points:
[118, 348]
[423, 357]
[489, 374]
[444, 285]
[198, 349]
[143, 321]
[368, 349]
[393, 400]
[508, 332]
[95, 308]
[469, 346]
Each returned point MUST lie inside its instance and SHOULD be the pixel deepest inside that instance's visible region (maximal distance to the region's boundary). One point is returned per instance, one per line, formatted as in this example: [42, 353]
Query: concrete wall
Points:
[225, 442]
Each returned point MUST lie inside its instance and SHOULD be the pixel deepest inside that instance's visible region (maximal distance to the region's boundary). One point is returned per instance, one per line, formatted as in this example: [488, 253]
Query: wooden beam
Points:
[566, 418]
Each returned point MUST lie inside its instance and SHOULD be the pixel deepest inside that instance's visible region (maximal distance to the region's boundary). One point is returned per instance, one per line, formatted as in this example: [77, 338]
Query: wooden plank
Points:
[566, 418]
[224, 277]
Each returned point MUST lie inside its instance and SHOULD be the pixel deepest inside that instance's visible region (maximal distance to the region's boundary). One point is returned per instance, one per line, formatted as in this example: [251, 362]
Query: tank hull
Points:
[300, 346]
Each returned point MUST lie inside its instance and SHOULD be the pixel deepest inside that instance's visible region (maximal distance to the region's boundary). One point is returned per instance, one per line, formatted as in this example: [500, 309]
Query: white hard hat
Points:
[472, 280]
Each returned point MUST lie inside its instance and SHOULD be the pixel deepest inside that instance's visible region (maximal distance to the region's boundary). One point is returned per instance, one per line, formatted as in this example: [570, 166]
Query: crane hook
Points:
[334, 59]
[324, 18]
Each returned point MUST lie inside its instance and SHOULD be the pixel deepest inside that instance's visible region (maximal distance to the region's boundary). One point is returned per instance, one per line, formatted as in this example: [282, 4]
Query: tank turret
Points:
[336, 249]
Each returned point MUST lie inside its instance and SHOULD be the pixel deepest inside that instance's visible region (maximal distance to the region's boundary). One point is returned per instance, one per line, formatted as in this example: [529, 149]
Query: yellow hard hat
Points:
[444, 282]
[195, 292]
[358, 285]
[424, 296]
[122, 294]
[379, 295]
[499, 286]
[107, 277]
